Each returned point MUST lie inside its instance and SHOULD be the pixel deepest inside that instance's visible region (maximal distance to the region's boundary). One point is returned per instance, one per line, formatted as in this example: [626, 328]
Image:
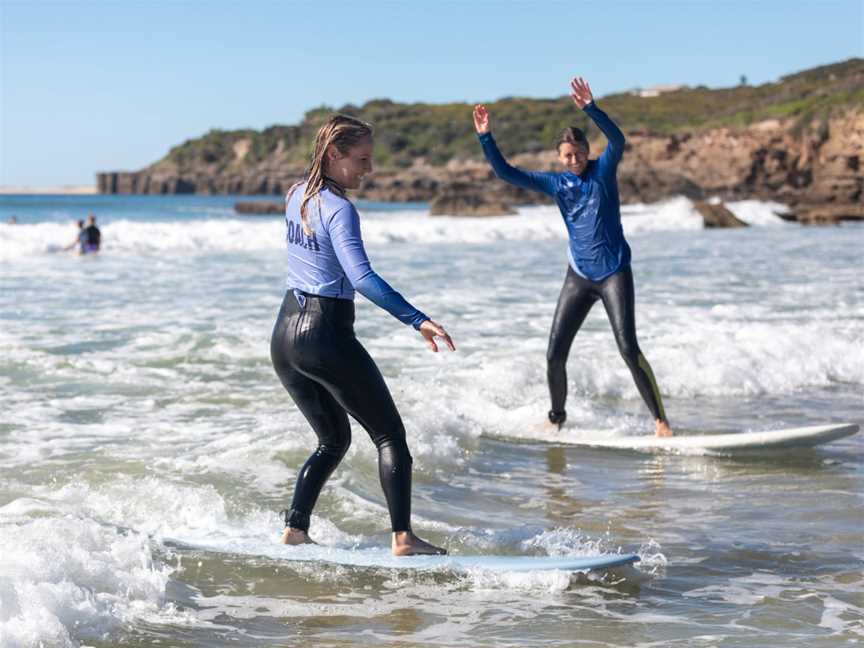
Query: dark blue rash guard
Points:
[588, 202]
[332, 262]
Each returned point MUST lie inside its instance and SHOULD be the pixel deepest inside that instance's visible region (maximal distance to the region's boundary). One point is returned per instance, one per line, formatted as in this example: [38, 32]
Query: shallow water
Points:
[146, 445]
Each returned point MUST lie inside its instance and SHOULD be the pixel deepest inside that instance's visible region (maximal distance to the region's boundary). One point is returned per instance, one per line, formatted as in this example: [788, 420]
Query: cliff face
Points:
[810, 153]
[770, 160]
[820, 163]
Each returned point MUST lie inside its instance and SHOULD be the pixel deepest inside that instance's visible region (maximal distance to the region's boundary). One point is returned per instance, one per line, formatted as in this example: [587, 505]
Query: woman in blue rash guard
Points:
[325, 369]
[599, 257]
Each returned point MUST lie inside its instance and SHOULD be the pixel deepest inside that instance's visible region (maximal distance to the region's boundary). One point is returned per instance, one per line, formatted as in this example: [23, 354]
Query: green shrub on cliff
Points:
[214, 148]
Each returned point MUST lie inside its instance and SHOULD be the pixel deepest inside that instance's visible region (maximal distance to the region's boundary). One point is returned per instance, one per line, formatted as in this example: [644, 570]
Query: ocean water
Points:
[146, 445]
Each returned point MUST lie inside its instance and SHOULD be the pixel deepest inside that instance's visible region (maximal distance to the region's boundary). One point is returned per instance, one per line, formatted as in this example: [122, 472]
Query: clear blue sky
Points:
[88, 86]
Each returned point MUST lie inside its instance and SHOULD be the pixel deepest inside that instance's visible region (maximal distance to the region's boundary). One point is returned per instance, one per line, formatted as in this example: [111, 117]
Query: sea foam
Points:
[207, 236]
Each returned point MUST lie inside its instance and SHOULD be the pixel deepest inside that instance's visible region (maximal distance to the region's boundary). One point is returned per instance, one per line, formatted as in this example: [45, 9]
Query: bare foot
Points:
[553, 423]
[405, 543]
[295, 537]
[547, 427]
[551, 427]
[662, 429]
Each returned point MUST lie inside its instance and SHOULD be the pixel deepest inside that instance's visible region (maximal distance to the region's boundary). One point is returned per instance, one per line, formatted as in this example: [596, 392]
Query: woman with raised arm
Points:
[325, 369]
[599, 257]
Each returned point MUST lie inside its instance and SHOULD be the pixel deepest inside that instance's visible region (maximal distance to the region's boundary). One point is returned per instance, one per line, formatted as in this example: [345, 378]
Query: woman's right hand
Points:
[430, 330]
[481, 119]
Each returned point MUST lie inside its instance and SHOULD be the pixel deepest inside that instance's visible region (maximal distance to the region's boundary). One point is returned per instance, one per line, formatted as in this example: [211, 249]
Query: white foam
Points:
[840, 617]
[704, 356]
[673, 214]
[78, 562]
[65, 574]
[759, 213]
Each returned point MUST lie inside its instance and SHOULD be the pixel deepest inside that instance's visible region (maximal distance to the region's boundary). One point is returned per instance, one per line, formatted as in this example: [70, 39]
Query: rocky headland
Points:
[799, 141]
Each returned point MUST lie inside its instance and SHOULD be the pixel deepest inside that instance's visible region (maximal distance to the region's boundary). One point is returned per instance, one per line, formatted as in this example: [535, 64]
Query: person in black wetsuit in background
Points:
[92, 236]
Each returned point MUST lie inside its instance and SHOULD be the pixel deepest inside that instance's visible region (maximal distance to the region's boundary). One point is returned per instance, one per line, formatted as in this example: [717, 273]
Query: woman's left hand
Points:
[430, 330]
[580, 92]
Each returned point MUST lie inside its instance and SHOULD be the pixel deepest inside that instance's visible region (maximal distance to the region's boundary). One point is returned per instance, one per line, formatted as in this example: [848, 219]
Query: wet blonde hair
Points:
[340, 131]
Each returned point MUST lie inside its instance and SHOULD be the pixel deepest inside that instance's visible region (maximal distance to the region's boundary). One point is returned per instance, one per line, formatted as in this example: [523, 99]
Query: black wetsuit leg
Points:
[578, 295]
[576, 299]
[328, 373]
[618, 299]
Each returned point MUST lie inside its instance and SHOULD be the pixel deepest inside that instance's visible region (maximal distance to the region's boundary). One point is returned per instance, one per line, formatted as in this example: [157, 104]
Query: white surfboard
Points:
[804, 437]
[383, 558]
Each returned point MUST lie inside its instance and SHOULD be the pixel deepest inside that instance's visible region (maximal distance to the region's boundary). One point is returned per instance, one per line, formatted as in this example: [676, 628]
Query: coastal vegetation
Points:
[438, 133]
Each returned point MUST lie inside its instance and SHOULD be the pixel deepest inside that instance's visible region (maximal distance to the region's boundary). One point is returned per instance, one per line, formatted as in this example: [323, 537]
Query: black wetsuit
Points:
[578, 295]
[329, 375]
[325, 369]
[92, 239]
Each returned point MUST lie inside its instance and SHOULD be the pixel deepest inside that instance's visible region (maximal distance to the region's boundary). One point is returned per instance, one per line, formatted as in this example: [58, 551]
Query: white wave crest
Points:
[60, 574]
[127, 237]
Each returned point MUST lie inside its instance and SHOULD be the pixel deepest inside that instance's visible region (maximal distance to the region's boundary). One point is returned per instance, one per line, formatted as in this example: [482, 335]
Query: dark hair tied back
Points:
[573, 135]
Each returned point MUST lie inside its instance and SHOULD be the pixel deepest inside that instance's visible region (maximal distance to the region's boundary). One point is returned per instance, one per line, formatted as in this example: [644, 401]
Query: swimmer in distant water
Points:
[599, 257]
[12, 220]
[92, 236]
[325, 369]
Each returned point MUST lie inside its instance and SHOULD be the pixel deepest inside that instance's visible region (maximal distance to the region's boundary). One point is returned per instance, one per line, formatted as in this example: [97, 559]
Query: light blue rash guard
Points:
[588, 202]
[332, 262]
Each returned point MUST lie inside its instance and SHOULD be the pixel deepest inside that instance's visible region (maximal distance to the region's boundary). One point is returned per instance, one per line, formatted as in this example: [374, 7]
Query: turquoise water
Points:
[32, 209]
[146, 445]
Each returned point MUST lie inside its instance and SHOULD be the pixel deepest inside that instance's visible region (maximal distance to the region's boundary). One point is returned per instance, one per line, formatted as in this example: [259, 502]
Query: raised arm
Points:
[533, 180]
[580, 92]
[344, 229]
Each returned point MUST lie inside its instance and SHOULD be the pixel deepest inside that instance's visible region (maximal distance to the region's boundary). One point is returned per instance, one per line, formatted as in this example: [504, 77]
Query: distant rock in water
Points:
[468, 200]
[716, 215]
[259, 207]
[828, 214]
